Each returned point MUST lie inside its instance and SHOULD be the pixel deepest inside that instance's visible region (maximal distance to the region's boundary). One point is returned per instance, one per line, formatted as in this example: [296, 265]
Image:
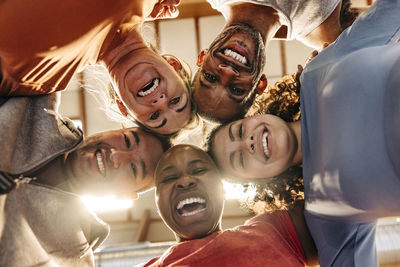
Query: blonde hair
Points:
[107, 95]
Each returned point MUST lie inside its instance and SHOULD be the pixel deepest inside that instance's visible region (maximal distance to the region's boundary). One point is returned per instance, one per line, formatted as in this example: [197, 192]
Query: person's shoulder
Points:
[270, 217]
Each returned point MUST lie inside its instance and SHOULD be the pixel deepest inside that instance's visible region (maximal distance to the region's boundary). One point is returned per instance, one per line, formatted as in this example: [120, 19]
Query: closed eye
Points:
[134, 170]
[170, 178]
[199, 171]
[241, 159]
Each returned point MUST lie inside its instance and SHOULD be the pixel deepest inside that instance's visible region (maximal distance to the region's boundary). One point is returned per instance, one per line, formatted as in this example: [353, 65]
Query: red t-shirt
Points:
[265, 240]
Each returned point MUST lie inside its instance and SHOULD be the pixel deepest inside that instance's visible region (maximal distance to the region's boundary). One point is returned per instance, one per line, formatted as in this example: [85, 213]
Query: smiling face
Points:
[261, 146]
[229, 71]
[119, 162]
[153, 91]
[189, 192]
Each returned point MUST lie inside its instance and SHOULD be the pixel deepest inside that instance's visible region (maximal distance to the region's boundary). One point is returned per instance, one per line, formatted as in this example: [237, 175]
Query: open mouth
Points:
[149, 88]
[236, 56]
[267, 153]
[191, 206]
[100, 162]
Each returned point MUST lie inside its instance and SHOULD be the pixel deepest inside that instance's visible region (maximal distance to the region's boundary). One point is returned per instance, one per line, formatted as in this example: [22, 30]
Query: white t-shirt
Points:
[300, 16]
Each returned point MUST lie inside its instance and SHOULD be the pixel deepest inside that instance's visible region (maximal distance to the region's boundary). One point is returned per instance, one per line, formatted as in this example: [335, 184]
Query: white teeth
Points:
[238, 57]
[193, 212]
[265, 143]
[189, 201]
[100, 163]
[145, 92]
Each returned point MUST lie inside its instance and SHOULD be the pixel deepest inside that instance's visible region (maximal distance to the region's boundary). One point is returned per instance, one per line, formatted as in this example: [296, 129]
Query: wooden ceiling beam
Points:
[143, 226]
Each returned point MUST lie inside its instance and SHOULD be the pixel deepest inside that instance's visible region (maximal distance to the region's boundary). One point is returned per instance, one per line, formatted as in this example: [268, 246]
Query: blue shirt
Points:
[351, 137]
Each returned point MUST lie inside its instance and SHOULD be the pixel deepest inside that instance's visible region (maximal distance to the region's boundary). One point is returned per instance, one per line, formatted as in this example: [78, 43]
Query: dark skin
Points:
[266, 22]
[222, 106]
[303, 234]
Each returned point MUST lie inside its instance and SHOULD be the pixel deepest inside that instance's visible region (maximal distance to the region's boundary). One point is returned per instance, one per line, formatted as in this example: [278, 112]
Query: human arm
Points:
[164, 9]
[303, 234]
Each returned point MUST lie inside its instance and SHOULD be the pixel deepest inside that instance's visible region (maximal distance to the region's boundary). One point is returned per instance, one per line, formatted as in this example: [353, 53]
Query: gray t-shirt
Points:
[350, 101]
[300, 16]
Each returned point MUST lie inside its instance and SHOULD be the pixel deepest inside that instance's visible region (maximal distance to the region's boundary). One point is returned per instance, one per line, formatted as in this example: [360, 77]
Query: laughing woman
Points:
[348, 139]
[45, 42]
[190, 200]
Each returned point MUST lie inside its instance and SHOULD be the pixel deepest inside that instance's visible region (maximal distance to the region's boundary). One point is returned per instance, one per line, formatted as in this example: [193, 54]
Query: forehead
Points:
[181, 155]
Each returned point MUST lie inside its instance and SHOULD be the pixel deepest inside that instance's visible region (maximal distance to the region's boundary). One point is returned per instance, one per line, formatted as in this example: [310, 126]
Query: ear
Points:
[262, 84]
[121, 107]
[200, 57]
[173, 61]
[134, 196]
[281, 33]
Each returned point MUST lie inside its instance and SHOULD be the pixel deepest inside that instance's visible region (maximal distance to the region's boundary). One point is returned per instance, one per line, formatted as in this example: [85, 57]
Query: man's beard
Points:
[259, 56]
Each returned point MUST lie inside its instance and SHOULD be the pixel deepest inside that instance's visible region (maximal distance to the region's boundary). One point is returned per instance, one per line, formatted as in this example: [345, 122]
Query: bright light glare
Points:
[107, 203]
[237, 191]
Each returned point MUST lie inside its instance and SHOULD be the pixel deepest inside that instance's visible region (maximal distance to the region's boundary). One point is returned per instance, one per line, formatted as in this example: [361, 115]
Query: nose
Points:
[119, 158]
[159, 100]
[228, 70]
[249, 144]
[185, 182]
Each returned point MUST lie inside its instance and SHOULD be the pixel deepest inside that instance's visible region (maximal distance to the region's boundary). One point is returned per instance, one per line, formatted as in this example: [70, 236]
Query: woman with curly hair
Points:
[347, 141]
[282, 100]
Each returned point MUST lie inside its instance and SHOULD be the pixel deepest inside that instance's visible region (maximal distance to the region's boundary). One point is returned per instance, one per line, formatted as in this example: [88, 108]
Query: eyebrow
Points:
[136, 136]
[162, 124]
[184, 106]
[230, 133]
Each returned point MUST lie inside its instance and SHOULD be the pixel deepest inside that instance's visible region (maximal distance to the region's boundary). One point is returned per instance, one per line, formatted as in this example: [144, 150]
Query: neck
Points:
[181, 239]
[132, 42]
[327, 32]
[53, 174]
[263, 18]
[296, 130]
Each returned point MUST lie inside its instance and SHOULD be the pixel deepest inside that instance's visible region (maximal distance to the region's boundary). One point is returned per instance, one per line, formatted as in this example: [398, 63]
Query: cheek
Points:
[142, 112]
[253, 169]
[122, 183]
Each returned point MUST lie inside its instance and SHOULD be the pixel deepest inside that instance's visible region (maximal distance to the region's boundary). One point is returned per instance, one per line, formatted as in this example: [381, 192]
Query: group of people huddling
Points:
[322, 146]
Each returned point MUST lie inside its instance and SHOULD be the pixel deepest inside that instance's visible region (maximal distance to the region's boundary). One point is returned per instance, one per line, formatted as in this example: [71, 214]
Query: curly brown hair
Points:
[279, 192]
[282, 99]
